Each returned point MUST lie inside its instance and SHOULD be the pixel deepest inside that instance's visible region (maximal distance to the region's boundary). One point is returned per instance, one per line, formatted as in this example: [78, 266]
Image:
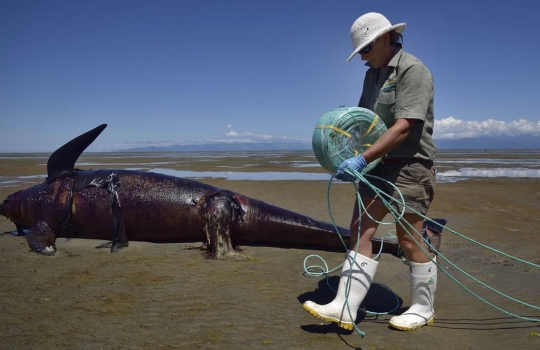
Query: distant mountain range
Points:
[225, 146]
[472, 143]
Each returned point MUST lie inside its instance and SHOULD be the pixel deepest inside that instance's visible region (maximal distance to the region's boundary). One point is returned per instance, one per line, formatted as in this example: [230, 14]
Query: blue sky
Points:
[165, 72]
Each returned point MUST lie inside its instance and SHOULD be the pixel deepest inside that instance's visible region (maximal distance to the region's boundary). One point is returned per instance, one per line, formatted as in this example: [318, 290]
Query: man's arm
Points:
[389, 140]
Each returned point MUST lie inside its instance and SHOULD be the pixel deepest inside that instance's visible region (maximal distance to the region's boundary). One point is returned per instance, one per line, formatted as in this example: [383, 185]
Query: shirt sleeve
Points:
[414, 91]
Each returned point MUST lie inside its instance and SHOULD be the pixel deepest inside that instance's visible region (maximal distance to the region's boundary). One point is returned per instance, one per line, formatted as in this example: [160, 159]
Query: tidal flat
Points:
[171, 296]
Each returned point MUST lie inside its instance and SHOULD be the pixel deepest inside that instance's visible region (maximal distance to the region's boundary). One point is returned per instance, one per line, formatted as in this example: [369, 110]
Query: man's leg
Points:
[423, 278]
[357, 273]
[411, 249]
[368, 228]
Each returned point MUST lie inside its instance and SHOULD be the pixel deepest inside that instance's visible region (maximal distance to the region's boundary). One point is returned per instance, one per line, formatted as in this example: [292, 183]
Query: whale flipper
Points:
[41, 239]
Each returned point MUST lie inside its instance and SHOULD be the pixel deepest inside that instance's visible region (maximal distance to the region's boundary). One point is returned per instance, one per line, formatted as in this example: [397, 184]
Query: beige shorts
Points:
[415, 179]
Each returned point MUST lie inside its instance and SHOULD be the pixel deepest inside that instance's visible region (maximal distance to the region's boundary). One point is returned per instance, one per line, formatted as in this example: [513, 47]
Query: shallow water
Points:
[452, 165]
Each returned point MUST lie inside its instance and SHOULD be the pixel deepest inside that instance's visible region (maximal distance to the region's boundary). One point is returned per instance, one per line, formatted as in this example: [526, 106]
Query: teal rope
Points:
[398, 220]
[343, 133]
[326, 271]
[392, 210]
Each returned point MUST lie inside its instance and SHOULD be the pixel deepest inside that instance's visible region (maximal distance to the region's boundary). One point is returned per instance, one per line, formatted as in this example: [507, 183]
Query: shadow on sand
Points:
[379, 299]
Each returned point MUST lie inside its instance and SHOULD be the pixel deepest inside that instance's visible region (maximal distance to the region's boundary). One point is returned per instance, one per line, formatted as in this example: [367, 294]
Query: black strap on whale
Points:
[63, 159]
[104, 178]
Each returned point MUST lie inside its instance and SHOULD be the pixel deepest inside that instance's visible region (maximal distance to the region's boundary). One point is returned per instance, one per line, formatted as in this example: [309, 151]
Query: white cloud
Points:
[452, 128]
[248, 136]
[233, 136]
[447, 128]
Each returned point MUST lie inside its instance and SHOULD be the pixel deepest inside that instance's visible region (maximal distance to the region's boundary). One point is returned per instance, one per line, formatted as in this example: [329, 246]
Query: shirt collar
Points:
[397, 56]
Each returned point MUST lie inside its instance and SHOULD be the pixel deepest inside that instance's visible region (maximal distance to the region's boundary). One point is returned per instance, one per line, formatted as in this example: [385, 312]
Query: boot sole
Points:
[345, 325]
[430, 322]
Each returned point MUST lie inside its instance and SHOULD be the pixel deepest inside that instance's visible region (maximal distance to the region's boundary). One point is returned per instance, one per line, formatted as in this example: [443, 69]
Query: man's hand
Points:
[357, 163]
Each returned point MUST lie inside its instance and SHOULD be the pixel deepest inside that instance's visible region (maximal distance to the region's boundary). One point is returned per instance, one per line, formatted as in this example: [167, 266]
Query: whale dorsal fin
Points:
[64, 158]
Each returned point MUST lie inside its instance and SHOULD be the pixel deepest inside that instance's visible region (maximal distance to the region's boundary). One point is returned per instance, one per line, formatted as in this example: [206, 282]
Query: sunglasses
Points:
[367, 49]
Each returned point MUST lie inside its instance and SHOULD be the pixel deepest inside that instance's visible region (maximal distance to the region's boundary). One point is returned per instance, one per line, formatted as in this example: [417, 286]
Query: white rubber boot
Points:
[363, 271]
[423, 286]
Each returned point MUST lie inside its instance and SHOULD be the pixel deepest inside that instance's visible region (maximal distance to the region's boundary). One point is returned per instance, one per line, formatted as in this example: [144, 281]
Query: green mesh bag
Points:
[343, 133]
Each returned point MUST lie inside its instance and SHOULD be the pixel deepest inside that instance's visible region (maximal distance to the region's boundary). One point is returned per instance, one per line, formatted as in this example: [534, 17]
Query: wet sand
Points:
[170, 296]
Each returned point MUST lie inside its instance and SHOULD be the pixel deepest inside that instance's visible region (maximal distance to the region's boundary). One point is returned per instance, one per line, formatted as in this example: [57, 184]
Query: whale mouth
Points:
[3, 205]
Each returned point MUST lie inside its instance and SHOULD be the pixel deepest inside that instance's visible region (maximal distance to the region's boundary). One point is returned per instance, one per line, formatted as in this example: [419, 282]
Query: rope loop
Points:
[346, 132]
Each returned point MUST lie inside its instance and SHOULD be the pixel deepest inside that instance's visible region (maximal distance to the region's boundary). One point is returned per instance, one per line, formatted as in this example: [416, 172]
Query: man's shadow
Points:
[379, 299]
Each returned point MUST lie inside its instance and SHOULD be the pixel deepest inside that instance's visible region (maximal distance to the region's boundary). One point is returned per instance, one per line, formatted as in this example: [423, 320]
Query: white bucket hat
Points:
[369, 27]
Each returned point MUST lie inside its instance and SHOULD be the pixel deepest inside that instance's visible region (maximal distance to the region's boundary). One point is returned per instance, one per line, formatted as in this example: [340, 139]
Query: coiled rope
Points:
[343, 133]
[346, 132]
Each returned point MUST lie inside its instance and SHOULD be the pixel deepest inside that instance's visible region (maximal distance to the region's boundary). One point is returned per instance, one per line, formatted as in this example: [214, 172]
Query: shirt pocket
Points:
[385, 106]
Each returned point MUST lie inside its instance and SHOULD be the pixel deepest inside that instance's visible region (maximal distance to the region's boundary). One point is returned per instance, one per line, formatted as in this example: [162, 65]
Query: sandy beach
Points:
[171, 296]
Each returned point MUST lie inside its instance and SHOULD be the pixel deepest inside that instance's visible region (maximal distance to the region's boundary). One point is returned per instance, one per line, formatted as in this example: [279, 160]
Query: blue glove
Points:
[357, 163]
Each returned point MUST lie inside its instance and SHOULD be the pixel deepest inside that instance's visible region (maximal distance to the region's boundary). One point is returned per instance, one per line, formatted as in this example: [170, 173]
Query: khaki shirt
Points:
[403, 89]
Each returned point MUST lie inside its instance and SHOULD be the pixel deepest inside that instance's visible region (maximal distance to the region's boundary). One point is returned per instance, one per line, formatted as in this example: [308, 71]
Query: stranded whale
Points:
[122, 205]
